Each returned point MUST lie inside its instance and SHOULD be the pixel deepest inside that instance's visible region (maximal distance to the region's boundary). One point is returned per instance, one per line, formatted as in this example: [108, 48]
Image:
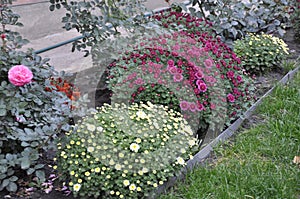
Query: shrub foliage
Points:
[30, 116]
[261, 53]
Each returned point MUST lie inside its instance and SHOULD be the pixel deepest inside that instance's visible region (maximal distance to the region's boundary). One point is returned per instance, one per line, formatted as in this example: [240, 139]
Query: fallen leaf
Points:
[296, 160]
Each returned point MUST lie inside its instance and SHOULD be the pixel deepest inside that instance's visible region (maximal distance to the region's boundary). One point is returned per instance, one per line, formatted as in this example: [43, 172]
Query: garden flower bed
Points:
[273, 78]
[198, 80]
[264, 84]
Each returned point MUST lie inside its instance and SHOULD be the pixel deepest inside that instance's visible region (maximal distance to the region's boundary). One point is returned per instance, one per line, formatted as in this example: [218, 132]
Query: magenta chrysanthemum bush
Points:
[193, 70]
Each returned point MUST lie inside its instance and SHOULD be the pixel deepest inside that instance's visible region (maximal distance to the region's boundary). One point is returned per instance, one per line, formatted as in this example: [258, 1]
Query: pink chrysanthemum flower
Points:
[202, 87]
[184, 105]
[177, 77]
[230, 97]
[208, 63]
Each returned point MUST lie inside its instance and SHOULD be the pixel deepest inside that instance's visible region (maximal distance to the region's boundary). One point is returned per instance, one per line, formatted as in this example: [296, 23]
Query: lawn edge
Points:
[226, 134]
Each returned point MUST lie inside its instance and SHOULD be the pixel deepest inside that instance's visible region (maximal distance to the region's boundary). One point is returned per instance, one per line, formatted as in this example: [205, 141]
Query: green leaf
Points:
[9, 157]
[39, 166]
[2, 112]
[58, 6]
[5, 183]
[13, 178]
[2, 176]
[12, 187]
[41, 175]
[25, 144]
[30, 171]
[3, 169]
[34, 144]
[52, 8]
[25, 163]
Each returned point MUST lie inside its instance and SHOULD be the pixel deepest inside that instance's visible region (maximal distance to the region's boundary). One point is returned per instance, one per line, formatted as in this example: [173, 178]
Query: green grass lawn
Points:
[257, 163]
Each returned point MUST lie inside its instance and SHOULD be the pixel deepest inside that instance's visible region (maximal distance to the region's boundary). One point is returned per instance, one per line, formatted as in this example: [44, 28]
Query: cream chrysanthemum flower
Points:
[192, 142]
[91, 127]
[76, 187]
[90, 149]
[138, 140]
[145, 170]
[97, 170]
[180, 160]
[134, 147]
[132, 187]
[99, 128]
[141, 114]
[118, 167]
[188, 130]
[126, 183]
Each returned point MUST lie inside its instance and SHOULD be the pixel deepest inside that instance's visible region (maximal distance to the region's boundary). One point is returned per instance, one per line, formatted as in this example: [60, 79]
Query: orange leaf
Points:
[76, 94]
[72, 98]
[296, 160]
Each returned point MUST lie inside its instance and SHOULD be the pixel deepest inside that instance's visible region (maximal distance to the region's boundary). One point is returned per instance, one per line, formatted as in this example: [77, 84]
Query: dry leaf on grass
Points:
[296, 160]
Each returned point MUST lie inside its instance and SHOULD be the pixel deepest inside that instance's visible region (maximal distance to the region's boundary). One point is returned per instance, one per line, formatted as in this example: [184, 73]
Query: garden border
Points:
[203, 154]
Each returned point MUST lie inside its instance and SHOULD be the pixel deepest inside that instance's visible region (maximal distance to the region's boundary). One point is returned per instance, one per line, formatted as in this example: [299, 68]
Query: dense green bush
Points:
[296, 19]
[233, 19]
[30, 116]
[260, 53]
[124, 151]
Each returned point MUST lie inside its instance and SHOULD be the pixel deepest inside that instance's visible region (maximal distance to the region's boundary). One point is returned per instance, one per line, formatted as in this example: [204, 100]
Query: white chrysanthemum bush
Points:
[125, 151]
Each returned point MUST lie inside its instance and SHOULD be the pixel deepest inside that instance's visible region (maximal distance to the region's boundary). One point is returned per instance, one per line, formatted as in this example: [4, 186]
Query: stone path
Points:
[44, 28]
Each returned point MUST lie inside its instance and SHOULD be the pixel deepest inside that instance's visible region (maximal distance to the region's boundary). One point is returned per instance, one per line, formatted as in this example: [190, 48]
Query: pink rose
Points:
[198, 82]
[179, 63]
[176, 47]
[212, 106]
[179, 70]
[156, 75]
[20, 75]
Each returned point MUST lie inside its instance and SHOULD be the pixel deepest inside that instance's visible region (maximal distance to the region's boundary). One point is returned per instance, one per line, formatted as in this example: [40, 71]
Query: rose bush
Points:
[30, 117]
[124, 151]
